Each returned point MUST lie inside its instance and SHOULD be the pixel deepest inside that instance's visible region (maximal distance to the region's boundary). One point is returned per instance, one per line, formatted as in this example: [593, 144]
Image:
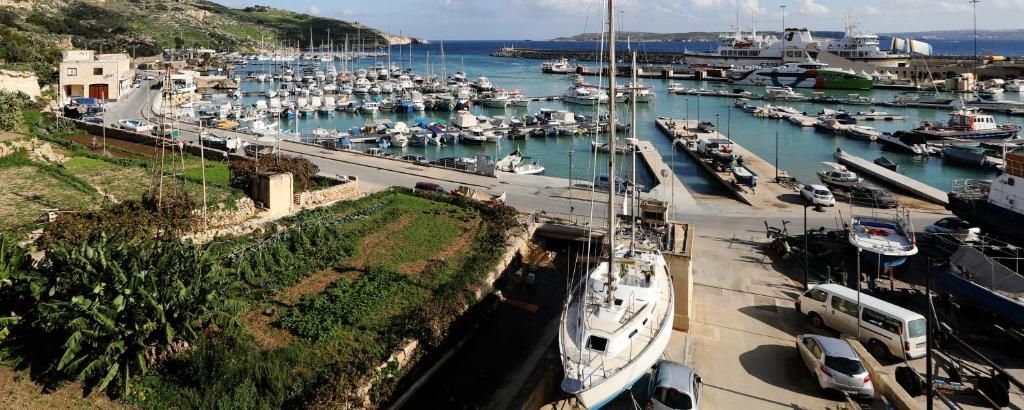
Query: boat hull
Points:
[811, 78]
[600, 394]
[969, 135]
[991, 218]
[992, 301]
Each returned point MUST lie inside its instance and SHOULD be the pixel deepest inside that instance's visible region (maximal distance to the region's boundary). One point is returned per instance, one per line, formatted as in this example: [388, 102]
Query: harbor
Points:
[308, 212]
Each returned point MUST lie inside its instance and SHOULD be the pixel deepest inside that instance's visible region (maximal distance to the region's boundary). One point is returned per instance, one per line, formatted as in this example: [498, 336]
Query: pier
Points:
[897, 180]
[763, 194]
[668, 186]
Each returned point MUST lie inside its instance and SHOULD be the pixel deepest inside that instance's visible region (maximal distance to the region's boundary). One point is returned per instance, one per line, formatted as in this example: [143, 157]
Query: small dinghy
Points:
[887, 164]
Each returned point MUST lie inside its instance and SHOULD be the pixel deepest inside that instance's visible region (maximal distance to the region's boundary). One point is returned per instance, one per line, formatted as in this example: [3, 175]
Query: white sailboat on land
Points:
[617, 320]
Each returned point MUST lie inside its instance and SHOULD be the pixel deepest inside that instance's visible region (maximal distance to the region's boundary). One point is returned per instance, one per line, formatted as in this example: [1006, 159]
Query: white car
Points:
[134, 125]
[674, 387]
[818, 195]
[835, 365]
[954, 227]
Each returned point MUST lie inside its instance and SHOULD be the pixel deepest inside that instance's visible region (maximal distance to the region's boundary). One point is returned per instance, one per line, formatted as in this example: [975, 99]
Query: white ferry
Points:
[862, 46]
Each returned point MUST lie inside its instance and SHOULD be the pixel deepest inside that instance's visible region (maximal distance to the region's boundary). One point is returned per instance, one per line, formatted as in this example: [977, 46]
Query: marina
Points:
[333, 216]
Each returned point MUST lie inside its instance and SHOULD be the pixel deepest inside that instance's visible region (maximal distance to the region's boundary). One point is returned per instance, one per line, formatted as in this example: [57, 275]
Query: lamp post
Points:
[776, 153]
[728, 125]
[572, 215]
[686, 124]
[783, 34]
[807, 264]
[974, 6]
[717, 127]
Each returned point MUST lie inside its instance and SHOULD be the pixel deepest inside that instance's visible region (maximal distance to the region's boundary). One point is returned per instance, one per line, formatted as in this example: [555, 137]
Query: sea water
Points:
[800, 150]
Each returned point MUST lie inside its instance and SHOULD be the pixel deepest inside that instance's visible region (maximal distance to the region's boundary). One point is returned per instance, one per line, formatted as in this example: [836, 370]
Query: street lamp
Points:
[974, 5]
[686, 124]
[717, 127]
[728, 125]
[807, 264]
[776, 152]
[783, 34]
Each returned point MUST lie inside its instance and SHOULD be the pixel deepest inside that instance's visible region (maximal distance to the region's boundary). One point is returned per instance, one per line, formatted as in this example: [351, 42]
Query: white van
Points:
[885, 327]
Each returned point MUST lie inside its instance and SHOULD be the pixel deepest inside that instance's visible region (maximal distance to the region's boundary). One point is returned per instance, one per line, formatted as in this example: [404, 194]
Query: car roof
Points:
[675, 375]
[866, 299]
[818, 186]
[834, 347]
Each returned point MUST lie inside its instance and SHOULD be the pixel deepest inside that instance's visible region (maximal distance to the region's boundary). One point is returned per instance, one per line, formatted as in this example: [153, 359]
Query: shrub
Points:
[11, 105]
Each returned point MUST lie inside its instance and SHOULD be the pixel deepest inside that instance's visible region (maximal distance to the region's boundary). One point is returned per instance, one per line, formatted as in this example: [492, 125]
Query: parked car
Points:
[134, 125]
[818, 195]
[430, 187]
[887, 329]
[954, 227]
[92, 119]
[706, 126]
[157, 85]
[835, 365]
[674, 386]
[873, 197]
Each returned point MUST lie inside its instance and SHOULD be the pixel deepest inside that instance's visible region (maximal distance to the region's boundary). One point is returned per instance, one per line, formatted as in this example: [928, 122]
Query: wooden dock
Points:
[765, 194]
[894, 179]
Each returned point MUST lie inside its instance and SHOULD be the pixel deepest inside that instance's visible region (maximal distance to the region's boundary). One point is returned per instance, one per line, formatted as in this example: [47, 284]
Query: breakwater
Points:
[647, 57]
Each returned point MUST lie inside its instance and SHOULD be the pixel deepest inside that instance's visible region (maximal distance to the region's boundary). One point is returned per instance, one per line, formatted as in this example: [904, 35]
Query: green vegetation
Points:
[34, 36]
[11, 106]
[103, 312]
[334, 338]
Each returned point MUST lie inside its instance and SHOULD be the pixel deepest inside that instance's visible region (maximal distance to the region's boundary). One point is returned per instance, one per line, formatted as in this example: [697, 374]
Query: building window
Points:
[97, 71]
[72, 72]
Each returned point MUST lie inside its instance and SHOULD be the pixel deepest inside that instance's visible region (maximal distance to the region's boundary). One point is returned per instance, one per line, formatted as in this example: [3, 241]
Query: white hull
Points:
[600, 394]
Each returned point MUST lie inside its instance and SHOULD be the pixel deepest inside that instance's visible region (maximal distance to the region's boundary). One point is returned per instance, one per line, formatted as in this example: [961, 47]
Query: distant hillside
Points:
[33, 32]
[690, 36]
[1012, 34]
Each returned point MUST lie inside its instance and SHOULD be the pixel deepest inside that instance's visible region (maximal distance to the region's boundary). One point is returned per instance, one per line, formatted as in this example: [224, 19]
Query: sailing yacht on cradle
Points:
[617, 320]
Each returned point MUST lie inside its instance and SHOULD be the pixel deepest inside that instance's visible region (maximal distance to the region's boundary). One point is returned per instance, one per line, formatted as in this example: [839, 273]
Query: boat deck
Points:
[879, 236]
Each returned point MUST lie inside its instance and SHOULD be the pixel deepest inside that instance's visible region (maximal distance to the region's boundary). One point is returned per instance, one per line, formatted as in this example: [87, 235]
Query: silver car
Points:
[835, 365]
[674, 387]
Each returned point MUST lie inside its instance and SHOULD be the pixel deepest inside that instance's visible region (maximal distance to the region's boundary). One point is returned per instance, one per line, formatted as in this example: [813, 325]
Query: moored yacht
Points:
[582, 95]
[968, 123]
[996, 205]
[838, 176]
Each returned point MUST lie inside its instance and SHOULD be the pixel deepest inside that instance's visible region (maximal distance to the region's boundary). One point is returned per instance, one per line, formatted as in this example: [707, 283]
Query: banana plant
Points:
[16, 275]
[120, 306]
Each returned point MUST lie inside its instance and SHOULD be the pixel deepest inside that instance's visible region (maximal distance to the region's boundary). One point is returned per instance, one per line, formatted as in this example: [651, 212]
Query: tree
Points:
[119, 307]
[11, 105]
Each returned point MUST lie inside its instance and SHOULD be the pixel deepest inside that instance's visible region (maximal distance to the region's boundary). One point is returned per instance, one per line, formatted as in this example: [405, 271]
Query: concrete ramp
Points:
[895, 179]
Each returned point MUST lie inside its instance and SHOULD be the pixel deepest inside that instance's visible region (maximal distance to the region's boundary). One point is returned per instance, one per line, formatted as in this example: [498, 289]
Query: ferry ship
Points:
[863, 47]
[804, 75]
[750, 49]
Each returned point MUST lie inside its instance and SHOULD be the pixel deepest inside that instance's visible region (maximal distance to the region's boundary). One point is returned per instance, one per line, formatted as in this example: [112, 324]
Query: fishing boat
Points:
[743, 175]
[888, 241]
[616, 320]
[837, 175]
[996, 205]
[498, 98]
[560, 66]
[474, 135]
[968, 123]
[482, 84]
[886, 163]
[809, 74]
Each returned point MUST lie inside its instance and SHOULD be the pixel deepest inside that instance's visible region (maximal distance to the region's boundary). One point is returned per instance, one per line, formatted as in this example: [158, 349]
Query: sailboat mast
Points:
[610, 300]
[632, 135]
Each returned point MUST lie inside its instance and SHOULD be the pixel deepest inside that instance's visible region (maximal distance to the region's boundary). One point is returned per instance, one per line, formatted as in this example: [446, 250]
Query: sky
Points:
[545, 19]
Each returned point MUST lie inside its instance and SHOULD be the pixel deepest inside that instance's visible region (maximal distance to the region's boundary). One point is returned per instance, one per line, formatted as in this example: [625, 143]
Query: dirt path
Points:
[459, 245]
[17, 391]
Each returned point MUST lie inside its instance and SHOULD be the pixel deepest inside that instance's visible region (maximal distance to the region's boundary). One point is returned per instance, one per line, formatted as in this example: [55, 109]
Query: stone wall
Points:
[22, 81]
[348, 189]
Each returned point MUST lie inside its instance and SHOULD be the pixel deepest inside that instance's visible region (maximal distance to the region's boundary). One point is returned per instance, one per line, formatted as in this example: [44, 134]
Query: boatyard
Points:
[326, 215]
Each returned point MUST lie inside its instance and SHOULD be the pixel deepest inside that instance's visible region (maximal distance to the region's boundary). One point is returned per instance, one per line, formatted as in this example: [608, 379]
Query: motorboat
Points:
[886, 163]
[643, 93]
[907, 142]
[860, 132]
[886, 241]
[874, 115]
[968, 123]
[783, 93]
[837, 175]
[582, 95]
[475, 135]
[370, 107]
[483, 84]
[498, 98]
[560, 66]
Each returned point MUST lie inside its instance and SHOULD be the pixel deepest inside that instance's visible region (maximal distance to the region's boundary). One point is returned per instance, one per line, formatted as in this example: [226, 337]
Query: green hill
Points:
[33, 32]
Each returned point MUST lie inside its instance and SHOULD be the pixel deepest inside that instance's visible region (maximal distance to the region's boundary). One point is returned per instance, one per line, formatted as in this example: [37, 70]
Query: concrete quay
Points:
[894, 179]
[765, 194]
